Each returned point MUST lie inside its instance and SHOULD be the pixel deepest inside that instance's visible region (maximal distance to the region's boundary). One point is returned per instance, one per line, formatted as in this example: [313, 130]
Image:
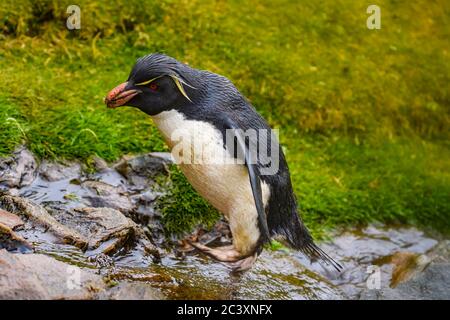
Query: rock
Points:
[99, 164]
[362, 249]
[405, 238]
[166, 156]
[142, 169]
[10, 241]
[103, 228]
[431, 284]
[132, 291]
[416, 277]
[106, 195]
[39, 215]
[36, 276]
[399, 253]
[10, 220]
[406, 265]
[18, 170]
[100, 230]
[111, 177]
[53, 171]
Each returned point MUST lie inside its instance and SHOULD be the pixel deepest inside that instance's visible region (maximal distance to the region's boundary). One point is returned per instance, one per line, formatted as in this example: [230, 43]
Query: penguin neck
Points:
[167, 122]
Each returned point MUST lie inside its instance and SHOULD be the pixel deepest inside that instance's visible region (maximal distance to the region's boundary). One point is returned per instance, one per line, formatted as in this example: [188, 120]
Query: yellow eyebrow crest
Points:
[180, 87]
[147, 82]
[179, 83]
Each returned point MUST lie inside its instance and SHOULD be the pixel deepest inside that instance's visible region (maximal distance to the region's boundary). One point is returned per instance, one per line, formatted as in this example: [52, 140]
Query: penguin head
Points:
[156, 83]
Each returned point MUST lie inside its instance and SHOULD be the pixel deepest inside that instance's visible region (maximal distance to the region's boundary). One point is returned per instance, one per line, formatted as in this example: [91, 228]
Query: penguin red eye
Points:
[153, 86]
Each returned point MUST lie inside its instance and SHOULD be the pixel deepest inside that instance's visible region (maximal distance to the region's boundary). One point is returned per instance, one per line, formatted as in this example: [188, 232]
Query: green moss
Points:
[13, 127]
[341, 182]
[182, 208]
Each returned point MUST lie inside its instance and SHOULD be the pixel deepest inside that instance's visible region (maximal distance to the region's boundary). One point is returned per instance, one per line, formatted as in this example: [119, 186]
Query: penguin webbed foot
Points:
[223, 254]
[227, 254]
[244, 264]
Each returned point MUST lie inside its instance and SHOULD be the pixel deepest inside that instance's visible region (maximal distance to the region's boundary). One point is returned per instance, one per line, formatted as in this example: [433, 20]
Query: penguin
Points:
[221, 161]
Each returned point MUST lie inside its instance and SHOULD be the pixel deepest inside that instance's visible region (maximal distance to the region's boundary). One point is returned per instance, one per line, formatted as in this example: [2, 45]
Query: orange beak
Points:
[119, 96]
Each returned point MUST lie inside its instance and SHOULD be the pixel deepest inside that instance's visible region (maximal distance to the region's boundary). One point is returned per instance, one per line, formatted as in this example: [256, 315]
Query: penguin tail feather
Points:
[315, 253]
[300, 239]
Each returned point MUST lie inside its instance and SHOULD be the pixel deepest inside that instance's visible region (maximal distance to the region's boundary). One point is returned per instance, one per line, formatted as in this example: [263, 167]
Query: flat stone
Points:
[105, 195]
[54, 171]
[37, 276]
[18, 170]
[10, 220]
[166, 156]
[361, 249]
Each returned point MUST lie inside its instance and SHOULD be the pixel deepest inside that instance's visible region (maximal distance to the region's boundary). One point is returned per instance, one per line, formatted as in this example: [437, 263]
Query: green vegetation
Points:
[363, 114]
[183, 208]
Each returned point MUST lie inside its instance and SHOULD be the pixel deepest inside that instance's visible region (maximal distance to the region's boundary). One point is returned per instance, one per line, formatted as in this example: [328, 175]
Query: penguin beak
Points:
[119, 96]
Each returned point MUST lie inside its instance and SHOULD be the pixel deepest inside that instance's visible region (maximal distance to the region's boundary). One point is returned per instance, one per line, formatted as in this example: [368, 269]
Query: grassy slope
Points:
[363, 115]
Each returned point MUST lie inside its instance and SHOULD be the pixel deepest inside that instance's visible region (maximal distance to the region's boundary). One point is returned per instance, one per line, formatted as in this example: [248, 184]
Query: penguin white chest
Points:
[197, 147]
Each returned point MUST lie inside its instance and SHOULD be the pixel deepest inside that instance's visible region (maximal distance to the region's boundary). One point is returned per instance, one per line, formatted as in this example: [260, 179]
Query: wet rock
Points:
[102, 228]
[105, 230]
[53, 171]
[142, 169]
[408, 239]
[39, 216]
[132, 291]
[166, 156]
[363, 249]
[99, 230]
[36, 276]
[10, 220]
[18, 170]
[99, 164]
[105, 195]
[431, 284]
[10, 241]
[398, 253]
[427, 276]
[412, 276]
[406, 265]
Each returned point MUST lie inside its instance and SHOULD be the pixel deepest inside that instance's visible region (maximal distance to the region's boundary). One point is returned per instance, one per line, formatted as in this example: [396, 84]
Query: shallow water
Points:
[276, 274]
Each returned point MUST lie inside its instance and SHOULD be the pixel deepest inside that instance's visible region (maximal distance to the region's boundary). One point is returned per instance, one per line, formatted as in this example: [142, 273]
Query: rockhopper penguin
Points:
[202, 107]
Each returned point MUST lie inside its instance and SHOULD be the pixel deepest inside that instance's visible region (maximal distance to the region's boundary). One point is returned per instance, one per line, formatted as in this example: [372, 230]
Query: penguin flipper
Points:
[253, 173]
